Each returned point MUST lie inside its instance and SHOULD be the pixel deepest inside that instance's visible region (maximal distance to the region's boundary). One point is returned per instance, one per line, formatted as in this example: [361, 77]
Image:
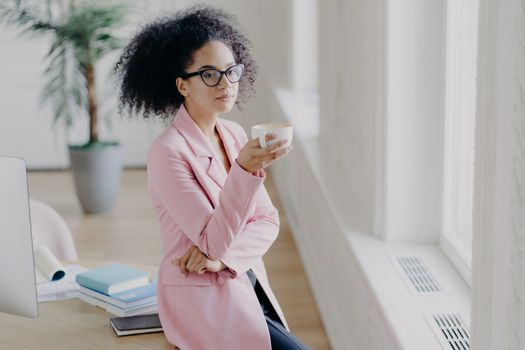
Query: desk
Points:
[73, 324]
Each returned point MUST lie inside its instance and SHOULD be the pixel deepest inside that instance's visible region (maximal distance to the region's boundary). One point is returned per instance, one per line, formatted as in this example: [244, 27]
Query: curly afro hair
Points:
[163, 50]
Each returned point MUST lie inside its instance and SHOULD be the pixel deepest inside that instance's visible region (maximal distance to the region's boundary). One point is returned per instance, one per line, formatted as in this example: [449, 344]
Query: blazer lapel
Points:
[202, 146]
[216, 170]
[230, 145]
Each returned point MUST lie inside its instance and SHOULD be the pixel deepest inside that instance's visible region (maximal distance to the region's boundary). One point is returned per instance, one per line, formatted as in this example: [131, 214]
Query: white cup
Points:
[284, 131]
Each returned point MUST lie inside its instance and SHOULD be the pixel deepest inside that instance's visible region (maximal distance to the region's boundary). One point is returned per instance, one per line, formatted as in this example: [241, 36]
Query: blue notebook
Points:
[112, 279]
[129, 298]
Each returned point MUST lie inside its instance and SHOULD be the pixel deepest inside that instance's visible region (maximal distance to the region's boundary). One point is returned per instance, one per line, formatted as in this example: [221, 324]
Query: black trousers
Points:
[280, 337]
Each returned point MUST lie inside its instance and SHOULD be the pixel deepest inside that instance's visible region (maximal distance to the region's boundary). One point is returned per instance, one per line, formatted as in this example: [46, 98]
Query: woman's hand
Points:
[253, 158]
[195, 261]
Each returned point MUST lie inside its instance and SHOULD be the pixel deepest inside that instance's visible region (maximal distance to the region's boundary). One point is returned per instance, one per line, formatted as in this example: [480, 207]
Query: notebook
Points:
[136, 324]
[112, 279]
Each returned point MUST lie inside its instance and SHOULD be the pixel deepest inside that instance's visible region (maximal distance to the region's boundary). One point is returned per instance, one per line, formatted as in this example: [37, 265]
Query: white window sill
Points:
[404, 311]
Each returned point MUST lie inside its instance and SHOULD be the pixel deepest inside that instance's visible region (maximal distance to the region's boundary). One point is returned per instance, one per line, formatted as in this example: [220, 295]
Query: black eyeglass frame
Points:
[222, 72]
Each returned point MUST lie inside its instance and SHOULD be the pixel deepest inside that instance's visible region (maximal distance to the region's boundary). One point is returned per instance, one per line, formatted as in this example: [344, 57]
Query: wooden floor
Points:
[130, 233]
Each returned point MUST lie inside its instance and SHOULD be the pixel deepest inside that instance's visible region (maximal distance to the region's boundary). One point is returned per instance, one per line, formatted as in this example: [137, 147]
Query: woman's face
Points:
[213, 54]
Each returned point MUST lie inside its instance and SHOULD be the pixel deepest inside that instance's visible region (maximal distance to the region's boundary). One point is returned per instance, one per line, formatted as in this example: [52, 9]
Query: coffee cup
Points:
[283, 131]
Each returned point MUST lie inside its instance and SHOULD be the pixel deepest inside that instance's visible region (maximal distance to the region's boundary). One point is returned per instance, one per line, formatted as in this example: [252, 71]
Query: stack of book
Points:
[118, 289]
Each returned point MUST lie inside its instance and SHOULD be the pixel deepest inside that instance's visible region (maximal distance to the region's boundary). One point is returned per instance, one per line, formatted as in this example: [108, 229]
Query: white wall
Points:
[351, 94]
[25, 128]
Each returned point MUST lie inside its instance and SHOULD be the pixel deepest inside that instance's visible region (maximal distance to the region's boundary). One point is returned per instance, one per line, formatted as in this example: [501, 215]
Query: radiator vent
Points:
[417, 274]
[451, 331]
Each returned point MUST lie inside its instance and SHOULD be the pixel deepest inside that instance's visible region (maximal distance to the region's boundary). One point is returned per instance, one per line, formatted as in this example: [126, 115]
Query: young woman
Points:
[205, 179]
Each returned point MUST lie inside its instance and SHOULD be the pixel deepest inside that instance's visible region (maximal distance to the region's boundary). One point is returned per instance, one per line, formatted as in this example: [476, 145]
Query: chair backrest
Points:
[50, 230]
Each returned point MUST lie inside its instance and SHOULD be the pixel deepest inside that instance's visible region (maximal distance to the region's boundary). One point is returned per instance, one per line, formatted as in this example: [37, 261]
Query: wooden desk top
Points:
[73, 324]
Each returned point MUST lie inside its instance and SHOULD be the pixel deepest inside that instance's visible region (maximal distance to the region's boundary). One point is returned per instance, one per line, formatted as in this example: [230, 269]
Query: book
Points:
[112, 279]
[136, 324]
[136, 310]
[126, 299]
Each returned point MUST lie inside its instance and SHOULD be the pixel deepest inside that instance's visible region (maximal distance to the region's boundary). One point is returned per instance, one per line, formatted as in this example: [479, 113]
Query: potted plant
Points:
[82, 34]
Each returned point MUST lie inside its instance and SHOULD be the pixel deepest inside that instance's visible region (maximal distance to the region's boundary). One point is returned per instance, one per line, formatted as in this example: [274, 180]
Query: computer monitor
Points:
[18, 293]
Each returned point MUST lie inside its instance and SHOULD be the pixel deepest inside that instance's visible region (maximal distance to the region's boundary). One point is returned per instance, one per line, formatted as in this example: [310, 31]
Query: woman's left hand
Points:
[196, 261]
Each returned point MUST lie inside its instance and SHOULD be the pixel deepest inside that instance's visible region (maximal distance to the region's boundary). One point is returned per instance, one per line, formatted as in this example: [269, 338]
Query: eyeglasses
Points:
[212, 77]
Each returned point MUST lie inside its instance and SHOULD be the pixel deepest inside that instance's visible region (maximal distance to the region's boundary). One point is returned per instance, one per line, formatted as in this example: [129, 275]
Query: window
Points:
[460, 103]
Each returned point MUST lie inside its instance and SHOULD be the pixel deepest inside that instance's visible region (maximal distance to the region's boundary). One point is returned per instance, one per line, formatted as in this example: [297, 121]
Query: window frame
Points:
[462, 20]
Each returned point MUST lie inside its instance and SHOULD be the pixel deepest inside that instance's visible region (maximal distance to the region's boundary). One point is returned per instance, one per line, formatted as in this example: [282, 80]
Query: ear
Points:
[182, 87]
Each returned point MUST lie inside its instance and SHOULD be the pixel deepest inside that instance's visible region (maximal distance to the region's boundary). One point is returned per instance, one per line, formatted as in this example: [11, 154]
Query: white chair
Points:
[50, 230]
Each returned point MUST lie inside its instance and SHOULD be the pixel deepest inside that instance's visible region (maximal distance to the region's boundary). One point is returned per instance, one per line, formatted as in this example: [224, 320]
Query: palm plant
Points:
[81, 36]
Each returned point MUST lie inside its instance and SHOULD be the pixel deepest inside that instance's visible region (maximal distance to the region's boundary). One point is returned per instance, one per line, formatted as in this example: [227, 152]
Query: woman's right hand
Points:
[196, 261]
[253, 158]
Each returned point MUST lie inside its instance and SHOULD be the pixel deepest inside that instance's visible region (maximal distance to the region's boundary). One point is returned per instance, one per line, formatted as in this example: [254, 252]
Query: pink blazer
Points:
[230, 217]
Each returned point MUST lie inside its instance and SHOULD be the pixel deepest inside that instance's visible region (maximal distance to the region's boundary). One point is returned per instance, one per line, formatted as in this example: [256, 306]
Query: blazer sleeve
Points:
[257, 237]
[212, 230]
